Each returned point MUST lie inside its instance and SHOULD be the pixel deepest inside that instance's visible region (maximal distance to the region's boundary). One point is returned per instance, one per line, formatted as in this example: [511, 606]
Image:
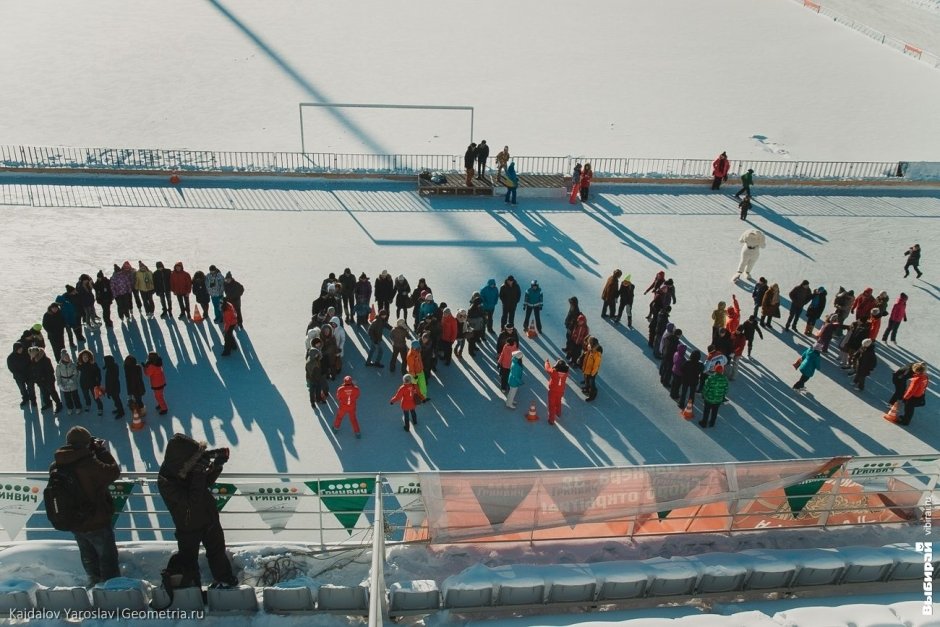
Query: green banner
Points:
[346, 498]
[119, 491]
[222, 493]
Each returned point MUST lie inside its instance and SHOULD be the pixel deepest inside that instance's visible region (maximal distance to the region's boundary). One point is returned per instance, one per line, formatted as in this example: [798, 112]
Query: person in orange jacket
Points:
[914, 395]
[591, 365]
[229, 322]
[347, 395]
[733, 316]
[416, 368]
[557, 378]
[153, 368]
[407, 395]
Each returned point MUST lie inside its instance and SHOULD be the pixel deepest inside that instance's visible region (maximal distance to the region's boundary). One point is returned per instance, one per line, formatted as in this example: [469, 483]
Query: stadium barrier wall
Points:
[48, 159]
[503, 506]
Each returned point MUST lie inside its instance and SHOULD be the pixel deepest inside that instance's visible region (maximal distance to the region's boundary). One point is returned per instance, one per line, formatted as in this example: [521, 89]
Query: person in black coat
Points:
[724, 342]
[509, 295]
[625, 294]
[42, 375]
[799, 296]
[185, 481]
[201, 292]
[483, 153]
[865, 362]
[134, 378]
[54, 323]
[95, 469]
[692, 371]
[161, 285]
[18, 365]
[384, 291]
[89, 377]
[913, 260]
[402, 297]
[657, 328]
[348, 280]
[104, 297]
[669, 350]
[469, 159]
[749, 327]
[112, 385]
[233, 293]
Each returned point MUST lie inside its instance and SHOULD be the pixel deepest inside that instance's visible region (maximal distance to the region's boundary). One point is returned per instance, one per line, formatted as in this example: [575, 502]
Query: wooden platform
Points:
[455, 184]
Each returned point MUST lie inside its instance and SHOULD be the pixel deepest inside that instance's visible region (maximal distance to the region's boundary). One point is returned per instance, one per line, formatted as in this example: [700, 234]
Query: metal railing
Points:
[904, 47]
[331, 510]
[139, 160]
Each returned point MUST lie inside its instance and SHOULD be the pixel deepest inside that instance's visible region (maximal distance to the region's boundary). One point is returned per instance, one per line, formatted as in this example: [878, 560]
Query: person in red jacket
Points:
[153, 368]
[914, 395]
[347, 395]
[720, 168]
[863, 304]
[181, 284]
[898, 315]
[406, 395]
[733, 317]
[448, 335]
[586, 175]
[557, 379]
[229, 322]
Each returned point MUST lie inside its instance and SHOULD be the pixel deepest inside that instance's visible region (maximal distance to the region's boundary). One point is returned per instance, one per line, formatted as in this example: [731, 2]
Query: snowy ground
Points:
[257, 400]
[673, 78]
[916, 22]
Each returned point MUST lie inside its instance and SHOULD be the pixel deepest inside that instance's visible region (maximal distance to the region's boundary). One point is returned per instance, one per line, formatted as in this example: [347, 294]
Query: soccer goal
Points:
[368, 131]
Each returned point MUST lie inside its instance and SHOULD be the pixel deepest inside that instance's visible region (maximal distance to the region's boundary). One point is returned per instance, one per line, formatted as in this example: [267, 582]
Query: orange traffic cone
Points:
[531, 332]
[174, 179]
[689, 412]
[138, 420]
[197, 315]
[531, 416]
[892, 415]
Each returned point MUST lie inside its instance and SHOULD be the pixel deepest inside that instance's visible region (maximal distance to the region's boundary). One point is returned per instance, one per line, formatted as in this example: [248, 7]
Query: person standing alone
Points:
[720, 168]
[913, 260]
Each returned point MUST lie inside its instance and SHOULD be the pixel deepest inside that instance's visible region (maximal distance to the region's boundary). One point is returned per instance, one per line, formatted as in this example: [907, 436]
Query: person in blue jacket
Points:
[807, 365]
[532, 303]
[489, 293]
[512, 183]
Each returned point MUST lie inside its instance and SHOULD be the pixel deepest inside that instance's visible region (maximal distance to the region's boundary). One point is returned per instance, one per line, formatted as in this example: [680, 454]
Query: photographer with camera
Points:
[78, 500]
[184, 481]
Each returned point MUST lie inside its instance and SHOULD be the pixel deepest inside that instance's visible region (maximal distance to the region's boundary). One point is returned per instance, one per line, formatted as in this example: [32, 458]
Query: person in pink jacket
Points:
[897, 316]
[504, 361]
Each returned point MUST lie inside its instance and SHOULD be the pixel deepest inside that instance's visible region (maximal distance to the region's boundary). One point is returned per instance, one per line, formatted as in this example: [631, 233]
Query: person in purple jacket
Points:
[122, 287]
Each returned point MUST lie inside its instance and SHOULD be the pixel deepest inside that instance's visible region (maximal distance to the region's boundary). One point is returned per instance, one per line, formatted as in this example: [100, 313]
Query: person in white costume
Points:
[752, 241]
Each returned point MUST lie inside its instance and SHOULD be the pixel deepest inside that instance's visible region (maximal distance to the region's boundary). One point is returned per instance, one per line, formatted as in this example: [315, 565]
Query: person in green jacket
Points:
[807, 365]
[747, 179]
[716, 386]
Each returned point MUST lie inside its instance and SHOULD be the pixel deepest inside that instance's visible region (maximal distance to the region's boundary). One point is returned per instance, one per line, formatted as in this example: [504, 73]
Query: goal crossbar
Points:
[347, 105]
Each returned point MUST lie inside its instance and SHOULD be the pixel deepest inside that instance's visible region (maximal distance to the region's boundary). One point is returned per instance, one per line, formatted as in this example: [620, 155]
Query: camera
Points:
[98, 443]
[218, 455]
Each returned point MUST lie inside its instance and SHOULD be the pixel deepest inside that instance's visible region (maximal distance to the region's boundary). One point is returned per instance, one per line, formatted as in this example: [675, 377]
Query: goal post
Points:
[329, 105]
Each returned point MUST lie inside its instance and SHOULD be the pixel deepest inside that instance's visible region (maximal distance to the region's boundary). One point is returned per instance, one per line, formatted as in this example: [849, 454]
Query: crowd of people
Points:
[75, 312]
[435, 336]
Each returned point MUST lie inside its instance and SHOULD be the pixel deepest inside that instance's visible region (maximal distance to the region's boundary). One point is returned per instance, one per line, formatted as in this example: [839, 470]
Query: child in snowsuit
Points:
[408, 395]
[807, 365]
[514, 380]
[153, 368]
[66, 375]
[347, 395]
[557, 379]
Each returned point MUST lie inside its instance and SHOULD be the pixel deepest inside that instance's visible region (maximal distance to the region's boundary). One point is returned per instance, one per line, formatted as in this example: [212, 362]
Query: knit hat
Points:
[627, 278]
[407, 379]
[228, 275]
[37, 327]
[64, 353]
[517, 354]
[416, 344]
[363, 277]
[534, 282]
[401, 323]
[78, 437]
[719, 368]
[347, 380]
[429, 297]
[866, 342]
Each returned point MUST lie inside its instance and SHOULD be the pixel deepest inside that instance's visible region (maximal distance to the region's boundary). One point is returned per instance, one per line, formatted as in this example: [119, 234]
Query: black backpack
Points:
[174, 577]
[67, 506]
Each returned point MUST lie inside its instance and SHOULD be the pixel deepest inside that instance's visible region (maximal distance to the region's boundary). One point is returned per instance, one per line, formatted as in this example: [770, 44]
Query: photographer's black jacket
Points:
[95, 469]
[184, 481]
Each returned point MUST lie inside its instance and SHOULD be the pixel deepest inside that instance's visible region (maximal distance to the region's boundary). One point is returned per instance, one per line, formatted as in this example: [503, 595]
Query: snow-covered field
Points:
[257, 401]
[674, 78]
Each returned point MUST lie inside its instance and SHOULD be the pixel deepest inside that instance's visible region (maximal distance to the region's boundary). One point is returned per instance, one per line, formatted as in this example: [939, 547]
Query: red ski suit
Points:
[347, 396]
[556, 391]
[406, 395]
